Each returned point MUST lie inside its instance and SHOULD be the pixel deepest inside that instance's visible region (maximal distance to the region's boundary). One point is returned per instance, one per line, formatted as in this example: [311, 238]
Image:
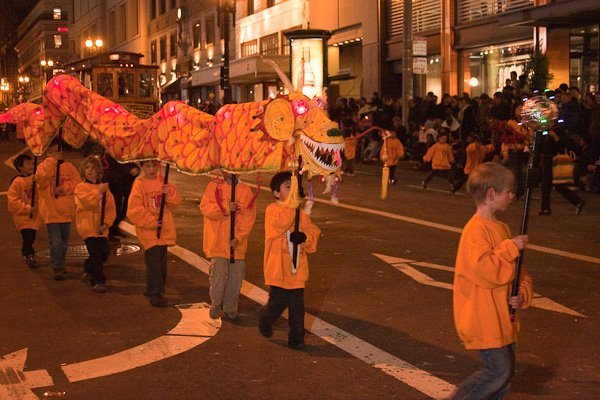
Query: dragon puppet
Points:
[246, 137]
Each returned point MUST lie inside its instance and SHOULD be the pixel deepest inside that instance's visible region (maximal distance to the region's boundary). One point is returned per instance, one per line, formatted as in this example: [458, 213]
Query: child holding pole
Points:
[485, 268]
[286, 282]
[95, 213]
[225, 276]
[154, 234]
[22, 204]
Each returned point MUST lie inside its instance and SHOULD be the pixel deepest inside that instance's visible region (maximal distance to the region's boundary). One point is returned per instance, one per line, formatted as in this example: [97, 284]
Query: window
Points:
[196, 35]
[153, 52]
[105, 85]
[173, 45]
[122, 25]
[57, 41]
[162, 6]
[250, 6]
[111, 28]
[269, 44]
[173, 4]
[126, 84]
[163, 48]
[145, 87]
[133, 18]
[152, 9]
[270, 3]
[209, 24]
[249, 48]
[57, 13]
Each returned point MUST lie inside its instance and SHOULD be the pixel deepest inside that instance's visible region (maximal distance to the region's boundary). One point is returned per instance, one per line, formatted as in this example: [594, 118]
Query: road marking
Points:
[418, 379]
[443, 227]
[3, 193]
[402, 265]
[9, 161]
[16, 384]
[194, 328]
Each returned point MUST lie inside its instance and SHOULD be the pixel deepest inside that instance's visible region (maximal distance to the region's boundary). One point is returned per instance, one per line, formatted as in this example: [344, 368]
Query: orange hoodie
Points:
[217, 222]
[89, 208]
[143, 209]
[475, 154]
[350, 147]
[440, 155]
[19, 203]
[61, 209]
[485, 267]
[279, 221]
[395, 151]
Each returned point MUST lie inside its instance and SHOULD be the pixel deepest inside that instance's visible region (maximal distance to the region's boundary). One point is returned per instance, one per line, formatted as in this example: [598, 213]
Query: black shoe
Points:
[579, 207]
[157, 301]
[296, 345]
[59, 274]
[265, 331]
[423, 185]
[544, 212]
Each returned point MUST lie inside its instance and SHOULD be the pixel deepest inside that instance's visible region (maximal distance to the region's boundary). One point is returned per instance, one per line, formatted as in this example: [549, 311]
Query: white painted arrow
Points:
[402, 265]
[16, 384]
[195, 328]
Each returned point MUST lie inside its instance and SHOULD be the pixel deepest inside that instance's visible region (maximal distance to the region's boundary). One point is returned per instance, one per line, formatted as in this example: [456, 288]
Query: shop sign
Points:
[419, 46]
[419, 65]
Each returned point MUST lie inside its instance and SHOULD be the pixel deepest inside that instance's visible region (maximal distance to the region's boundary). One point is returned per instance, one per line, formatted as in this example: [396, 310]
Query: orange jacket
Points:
[61, 209]
[485, 268]
[143, 209]
[395, 151]
[440, 155]
[217, 221]
[475, 154]
[19, 203]
[350, 148]
[88, 201]
[279, 221]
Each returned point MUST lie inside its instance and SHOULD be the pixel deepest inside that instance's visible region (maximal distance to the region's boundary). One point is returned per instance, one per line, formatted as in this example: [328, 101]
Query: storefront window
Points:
[583, 71]
[491, 66]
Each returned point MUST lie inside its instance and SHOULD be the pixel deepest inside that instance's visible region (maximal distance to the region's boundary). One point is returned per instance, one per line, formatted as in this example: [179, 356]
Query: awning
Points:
[172, 87]
[242, 71]
[562, 13]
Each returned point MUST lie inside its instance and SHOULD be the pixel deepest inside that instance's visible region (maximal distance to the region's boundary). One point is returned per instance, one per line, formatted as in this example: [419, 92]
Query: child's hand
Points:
[521, 241]
[103, 188]
[233, 243]
[165, 189]
[516, 302]
[297, 237]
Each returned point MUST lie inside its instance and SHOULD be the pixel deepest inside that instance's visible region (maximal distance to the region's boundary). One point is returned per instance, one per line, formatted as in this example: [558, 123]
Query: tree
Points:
[537, 69]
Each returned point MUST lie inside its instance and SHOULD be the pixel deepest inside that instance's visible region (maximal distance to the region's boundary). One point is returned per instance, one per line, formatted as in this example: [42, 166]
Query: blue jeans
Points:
[58, 235]
[492, 381]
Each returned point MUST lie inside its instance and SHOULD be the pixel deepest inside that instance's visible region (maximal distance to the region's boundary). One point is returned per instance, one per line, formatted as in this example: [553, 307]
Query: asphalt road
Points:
[400, 312]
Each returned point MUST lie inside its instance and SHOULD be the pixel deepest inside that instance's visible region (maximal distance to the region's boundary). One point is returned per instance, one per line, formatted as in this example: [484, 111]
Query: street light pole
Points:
[224, 8]
[407, 60]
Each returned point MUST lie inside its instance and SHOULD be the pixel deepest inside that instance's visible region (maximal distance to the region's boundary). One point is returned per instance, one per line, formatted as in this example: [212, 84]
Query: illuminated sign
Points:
[63, 29]
[307, 60]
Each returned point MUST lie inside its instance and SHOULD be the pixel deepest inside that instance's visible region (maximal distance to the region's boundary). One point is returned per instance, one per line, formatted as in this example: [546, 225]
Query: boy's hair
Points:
[279, 179]
[20, 160]
[442, 133]
[489, 176]
[94, 161]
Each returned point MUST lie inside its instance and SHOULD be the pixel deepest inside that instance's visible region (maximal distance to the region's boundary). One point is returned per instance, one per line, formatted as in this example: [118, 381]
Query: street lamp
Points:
[46, 66]
[94, 46]
[23, 87]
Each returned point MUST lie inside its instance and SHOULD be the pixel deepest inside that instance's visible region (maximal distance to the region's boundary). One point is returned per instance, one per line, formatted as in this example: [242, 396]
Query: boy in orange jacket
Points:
[88, 215]
[226, 277]
[485, 268]
[57, 204]
[287, 285]
[394, 151]
[143, 211]
[441, 157]
[25, 215]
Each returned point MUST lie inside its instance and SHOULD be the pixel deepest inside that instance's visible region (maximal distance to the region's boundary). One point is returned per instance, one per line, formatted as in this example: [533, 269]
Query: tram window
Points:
[105, 85]
[125, 84]
[145, 85]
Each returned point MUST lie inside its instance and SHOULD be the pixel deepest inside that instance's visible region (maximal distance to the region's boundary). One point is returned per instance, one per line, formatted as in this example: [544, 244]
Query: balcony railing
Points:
[469, 10]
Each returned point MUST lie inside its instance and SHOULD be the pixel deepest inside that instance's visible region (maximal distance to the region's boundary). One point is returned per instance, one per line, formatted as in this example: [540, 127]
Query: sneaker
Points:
[30, 262]
[99, 288]
[350, 174]
[59, 274]
[296, 345]
[232, 316]
[265, 331]
[157, 301]
[544, 212]
[393, 181]
[86, 278]
[214, 313]
[423, 185]
[579, 207]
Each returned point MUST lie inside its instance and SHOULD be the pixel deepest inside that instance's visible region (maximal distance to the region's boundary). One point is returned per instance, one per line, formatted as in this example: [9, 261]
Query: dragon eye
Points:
[300, 107]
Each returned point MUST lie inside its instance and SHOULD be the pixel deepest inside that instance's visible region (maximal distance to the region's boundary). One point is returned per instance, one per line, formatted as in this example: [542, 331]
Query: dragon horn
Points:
[282, 76]
[301, 78]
